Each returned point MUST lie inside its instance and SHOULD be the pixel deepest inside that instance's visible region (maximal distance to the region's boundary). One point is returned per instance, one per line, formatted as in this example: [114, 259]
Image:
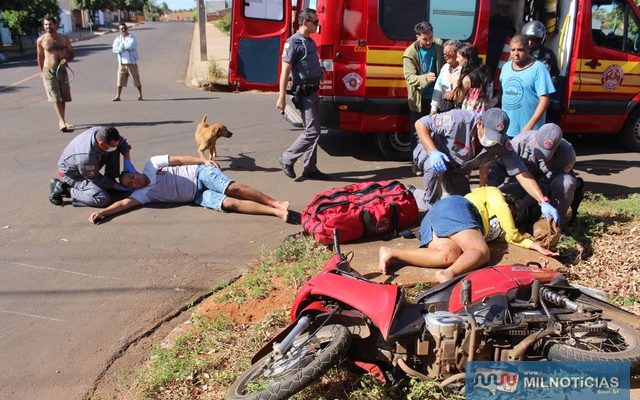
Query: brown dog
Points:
[207, 136]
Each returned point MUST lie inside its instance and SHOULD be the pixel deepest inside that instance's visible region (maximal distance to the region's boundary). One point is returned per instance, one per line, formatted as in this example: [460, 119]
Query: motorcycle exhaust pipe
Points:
[560, 300]
[281, 348]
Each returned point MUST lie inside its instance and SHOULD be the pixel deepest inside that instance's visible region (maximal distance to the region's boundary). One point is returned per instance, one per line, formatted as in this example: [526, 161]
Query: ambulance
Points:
[361, 42]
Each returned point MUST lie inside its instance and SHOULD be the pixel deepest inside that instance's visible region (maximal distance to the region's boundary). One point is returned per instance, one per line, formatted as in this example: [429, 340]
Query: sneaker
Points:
[316, 175]
[287, 169]
[56, 190]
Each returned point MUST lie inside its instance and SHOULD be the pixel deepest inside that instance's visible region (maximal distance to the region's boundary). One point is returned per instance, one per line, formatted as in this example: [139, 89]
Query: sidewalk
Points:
[217, 50]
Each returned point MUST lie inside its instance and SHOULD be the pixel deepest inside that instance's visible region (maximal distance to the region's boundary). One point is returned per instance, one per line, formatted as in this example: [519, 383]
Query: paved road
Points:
[72, 294]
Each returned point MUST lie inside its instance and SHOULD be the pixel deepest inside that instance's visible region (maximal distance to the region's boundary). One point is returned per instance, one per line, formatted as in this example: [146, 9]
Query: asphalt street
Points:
[73, 295]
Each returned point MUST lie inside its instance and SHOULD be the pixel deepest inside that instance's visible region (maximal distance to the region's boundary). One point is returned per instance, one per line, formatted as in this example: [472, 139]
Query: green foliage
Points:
[215, 71]
[224, 23]
[151, 11]
[26, 17]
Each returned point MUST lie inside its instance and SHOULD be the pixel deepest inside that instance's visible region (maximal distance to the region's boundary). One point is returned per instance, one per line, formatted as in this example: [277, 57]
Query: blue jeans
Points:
[212, 185]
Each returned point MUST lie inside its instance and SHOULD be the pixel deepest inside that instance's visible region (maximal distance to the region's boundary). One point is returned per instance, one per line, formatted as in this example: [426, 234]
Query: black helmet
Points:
[535, 29]
[517, 207]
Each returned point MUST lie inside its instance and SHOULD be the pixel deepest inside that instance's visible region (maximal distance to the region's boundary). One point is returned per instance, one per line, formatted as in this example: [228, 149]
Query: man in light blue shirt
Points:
[526, 86]
[126, 47]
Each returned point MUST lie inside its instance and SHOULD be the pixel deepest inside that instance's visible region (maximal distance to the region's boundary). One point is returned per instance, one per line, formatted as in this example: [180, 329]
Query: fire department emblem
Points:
[612, 77]
[352, 81]
[508, 145]
[548, 144]
[382, 225]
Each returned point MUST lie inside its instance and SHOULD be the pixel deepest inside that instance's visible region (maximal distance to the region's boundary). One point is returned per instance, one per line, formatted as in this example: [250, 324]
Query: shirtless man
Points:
[54, 54]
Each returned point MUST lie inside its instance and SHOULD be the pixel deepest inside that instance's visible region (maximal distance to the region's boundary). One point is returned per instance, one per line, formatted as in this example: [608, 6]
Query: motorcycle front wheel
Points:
[279, 377]
[597, 341]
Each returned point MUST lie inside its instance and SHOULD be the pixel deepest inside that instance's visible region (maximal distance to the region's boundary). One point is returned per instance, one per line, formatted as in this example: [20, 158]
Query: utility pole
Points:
[202, 20]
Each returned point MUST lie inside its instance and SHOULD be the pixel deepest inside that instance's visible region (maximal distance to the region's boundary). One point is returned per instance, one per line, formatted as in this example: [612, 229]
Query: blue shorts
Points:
[212, 185]
[449, 216]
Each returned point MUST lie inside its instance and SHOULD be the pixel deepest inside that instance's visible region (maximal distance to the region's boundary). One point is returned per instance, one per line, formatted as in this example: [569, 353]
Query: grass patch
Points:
[224, 23]
[214, 71]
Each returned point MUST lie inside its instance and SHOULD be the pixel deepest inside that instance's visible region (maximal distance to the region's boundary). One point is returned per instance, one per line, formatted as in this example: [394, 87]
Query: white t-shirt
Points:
[167, 184]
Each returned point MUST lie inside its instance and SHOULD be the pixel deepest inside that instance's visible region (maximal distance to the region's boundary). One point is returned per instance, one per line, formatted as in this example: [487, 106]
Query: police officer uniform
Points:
[301, 52]
[455, 134]
[550, 159]
[79, 167]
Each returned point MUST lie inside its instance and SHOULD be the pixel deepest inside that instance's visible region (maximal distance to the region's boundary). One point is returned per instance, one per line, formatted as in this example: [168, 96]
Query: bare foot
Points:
[282, 205]
[444, 275]
[384, 258]
[282, 214]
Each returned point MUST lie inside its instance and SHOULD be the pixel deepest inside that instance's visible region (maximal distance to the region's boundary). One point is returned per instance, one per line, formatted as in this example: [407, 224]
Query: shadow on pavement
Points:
[242, 162]
[605, 167]
[183, 99]
[137, 123]
[8, 89]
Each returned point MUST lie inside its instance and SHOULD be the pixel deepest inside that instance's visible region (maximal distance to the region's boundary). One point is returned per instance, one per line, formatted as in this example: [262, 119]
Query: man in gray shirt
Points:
[79, 166]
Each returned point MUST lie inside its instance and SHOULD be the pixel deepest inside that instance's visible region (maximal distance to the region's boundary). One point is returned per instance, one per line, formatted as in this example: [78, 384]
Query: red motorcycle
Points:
[499, 313]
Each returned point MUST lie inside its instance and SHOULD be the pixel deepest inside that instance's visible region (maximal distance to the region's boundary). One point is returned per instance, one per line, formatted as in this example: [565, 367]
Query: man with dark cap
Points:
[550, 159]
[454, 143]
[300, 61]
[80, 164]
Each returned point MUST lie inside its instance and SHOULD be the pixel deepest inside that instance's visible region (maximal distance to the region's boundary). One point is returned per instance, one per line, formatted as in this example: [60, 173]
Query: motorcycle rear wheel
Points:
[617, 342]
[279, 377]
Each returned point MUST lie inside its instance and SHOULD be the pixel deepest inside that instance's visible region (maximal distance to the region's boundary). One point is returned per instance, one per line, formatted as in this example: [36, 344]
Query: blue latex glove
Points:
[549, 211]
[128, 166]
[124, 189]
[438, 160]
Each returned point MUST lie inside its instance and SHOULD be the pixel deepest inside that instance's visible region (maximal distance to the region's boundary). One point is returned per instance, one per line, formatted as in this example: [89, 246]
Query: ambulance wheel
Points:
[631, 132]
[395, 146]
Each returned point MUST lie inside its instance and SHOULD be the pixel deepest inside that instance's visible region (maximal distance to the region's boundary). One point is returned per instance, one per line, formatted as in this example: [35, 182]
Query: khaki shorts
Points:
[123, 75]
[57, 88]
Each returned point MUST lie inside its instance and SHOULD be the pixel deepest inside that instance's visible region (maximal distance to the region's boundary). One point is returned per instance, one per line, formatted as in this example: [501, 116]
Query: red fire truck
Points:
[361, 42]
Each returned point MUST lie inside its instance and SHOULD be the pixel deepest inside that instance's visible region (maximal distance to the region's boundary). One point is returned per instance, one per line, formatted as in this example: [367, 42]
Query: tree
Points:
[25, 17]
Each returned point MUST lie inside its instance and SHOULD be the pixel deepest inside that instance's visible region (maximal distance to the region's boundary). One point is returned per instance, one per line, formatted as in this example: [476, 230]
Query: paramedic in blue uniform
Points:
[80, 164]
[454, 143]
[550, 159]
[300, 60]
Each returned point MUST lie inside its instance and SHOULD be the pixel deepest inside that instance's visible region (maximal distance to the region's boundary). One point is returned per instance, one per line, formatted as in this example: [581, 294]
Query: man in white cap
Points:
[454, 143]
[550, 159]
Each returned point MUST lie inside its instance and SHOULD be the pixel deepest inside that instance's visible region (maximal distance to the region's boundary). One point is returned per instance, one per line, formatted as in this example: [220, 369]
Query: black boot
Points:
[57, 189]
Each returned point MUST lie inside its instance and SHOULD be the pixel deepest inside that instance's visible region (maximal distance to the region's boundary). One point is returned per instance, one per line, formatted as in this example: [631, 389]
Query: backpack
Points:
[360, 210]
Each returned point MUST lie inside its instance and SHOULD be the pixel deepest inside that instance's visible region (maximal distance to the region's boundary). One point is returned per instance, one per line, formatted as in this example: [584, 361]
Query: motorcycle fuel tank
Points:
[498, 280]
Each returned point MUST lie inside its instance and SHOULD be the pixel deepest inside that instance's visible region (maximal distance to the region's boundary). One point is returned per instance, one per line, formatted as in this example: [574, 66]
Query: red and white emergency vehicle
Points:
[361, 42]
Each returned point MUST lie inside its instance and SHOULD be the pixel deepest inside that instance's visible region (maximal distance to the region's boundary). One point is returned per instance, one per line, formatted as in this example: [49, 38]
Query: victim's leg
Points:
[475, 253]
[252, 207]
[441, 252]
[243, 191]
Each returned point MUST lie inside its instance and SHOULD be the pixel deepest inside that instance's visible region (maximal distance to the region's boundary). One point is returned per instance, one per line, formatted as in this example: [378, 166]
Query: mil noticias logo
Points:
[548, 379]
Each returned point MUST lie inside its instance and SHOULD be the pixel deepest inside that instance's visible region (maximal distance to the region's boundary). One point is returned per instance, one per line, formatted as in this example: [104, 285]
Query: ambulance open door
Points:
[259, 29]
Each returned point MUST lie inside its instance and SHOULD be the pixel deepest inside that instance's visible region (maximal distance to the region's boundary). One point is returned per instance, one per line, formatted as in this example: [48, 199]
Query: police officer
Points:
[536, 32]
[80, 164]
[550, 159]
[300, 60]
[455, 142]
